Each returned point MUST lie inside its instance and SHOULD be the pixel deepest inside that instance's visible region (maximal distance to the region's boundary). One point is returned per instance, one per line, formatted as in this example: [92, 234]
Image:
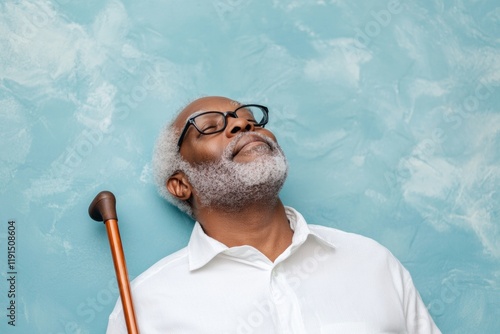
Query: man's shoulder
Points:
[359, 249]
[172, 264]
[344, 240]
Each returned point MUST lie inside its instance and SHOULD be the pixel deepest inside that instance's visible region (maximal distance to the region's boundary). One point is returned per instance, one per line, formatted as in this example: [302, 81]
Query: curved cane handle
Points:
[103, 207]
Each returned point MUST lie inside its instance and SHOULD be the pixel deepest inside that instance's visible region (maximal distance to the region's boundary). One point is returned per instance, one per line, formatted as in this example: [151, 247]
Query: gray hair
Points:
[166, 162]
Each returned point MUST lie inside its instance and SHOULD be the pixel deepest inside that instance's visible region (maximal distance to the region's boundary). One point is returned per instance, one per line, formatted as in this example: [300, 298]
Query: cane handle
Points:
[103, 207]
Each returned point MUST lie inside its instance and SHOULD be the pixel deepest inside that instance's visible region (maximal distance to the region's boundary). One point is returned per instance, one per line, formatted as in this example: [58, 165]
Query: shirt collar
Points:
[301, 232]
[202, 248]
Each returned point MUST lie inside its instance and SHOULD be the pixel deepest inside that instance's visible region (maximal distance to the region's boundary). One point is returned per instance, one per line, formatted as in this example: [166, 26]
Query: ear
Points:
[179, 186]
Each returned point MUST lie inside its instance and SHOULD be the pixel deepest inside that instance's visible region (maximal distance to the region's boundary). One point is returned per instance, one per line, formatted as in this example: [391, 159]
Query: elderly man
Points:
[253, 265]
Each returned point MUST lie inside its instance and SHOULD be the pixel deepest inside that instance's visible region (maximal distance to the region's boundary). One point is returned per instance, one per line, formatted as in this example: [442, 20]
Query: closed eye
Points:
[208, 128]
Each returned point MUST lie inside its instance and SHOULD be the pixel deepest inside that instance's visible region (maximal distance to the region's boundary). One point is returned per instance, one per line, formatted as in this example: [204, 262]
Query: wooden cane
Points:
[103, 208]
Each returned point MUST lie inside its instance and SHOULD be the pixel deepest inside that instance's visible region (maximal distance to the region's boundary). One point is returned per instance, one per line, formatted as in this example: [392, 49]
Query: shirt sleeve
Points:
[116, 322]
[418, 319]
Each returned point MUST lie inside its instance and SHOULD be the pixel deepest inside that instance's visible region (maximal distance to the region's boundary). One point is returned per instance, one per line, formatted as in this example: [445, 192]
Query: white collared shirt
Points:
[326, 281]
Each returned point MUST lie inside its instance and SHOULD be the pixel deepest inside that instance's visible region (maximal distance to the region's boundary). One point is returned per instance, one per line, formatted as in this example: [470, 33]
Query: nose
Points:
[237, 124]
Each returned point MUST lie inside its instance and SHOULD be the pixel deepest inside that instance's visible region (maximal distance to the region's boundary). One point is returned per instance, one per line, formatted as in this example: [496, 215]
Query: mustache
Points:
[229, 151]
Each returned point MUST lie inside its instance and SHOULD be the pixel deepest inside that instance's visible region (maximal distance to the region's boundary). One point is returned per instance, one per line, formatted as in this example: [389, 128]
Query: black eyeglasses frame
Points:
[233, 114]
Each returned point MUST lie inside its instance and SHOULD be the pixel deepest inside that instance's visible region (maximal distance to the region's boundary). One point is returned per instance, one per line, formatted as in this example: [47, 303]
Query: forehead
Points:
[212, 103]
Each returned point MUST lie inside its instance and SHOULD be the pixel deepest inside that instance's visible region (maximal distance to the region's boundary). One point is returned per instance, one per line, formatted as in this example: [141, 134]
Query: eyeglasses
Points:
[210, 122]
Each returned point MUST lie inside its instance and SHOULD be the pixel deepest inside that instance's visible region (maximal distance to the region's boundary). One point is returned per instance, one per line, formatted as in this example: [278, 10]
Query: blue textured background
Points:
[388, 111]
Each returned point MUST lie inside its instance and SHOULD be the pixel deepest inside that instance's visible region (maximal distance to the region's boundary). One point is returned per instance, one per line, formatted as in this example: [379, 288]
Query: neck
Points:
[260, 225]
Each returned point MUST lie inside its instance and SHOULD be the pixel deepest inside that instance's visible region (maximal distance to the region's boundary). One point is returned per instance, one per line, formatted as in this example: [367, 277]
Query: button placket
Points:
[288, 315]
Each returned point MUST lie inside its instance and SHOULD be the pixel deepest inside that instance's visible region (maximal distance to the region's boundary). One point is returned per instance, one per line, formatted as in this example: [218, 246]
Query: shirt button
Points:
[278, 272]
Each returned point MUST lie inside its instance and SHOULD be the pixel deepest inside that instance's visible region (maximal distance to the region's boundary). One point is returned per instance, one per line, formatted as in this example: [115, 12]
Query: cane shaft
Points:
[121, 274]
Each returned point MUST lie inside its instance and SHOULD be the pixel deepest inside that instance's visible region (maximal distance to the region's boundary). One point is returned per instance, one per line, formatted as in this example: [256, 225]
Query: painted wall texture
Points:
[389, 113]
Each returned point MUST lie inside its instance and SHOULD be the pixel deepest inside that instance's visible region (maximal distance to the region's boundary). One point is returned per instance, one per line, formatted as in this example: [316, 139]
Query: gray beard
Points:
[231, 186]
